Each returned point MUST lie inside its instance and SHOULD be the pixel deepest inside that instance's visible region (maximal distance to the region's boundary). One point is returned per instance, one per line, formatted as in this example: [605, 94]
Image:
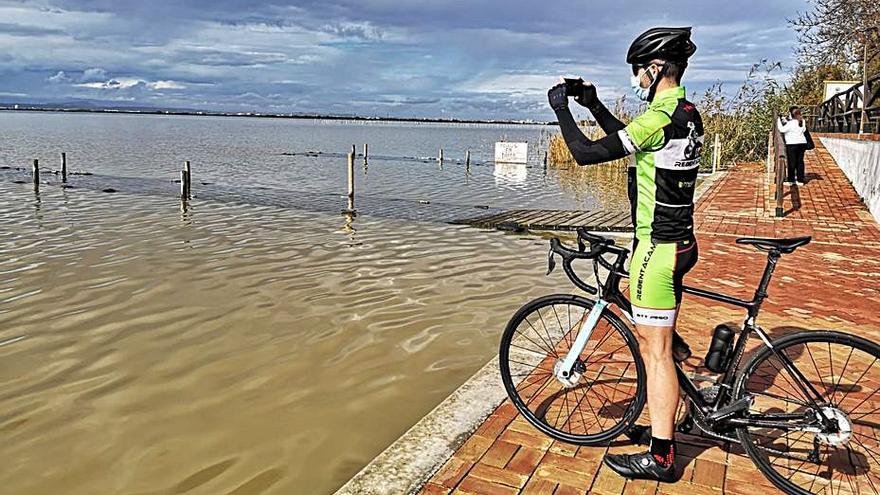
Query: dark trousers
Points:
[794, 154]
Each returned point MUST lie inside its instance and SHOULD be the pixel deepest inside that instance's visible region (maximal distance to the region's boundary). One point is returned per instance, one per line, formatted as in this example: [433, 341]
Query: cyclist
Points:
[666, 141]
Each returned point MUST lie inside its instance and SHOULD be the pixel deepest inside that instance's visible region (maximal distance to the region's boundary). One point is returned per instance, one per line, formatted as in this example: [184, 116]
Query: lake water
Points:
[252, 153]
[238, 348]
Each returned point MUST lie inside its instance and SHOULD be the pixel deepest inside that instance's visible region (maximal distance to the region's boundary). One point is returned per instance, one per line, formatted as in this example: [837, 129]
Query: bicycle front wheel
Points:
[804, 458]
[605, 393]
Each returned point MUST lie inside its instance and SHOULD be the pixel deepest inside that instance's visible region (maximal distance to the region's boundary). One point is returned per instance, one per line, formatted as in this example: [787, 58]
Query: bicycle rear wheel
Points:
[606, 393]
[845, 370]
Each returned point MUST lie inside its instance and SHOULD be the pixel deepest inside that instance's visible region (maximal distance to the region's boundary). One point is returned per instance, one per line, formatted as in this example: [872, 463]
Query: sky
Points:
[429, 58]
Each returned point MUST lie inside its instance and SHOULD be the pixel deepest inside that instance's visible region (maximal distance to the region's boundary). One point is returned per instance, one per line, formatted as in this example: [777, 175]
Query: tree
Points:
[835, 32]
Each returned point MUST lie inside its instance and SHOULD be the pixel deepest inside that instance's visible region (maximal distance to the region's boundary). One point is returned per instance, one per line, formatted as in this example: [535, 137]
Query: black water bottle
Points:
[720, 349]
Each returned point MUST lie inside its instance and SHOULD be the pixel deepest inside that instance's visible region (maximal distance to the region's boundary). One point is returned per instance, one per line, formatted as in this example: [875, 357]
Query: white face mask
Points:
[636, 83]
[640, 92]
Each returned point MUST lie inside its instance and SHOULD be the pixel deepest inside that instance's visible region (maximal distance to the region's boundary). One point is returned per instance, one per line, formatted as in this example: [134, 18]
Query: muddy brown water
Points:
[232, 348]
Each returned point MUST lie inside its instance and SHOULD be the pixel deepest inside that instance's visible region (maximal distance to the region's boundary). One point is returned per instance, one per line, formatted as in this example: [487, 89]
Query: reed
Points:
[558, 155]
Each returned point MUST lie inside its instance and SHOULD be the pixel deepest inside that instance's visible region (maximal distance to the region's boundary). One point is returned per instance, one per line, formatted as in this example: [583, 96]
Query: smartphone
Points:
[572, 84]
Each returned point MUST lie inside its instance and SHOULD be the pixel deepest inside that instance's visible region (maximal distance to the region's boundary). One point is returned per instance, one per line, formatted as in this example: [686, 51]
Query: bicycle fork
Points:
[564, 371]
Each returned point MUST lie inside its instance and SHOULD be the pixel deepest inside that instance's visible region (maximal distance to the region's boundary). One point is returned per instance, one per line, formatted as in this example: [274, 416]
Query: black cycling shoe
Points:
[639, 467]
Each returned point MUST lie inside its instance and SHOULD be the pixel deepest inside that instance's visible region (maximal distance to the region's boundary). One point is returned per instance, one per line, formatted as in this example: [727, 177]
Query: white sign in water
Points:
[507, 152]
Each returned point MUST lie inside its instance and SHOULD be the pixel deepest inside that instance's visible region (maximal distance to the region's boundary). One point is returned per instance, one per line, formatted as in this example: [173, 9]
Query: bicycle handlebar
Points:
[569, 255]
[598, 246]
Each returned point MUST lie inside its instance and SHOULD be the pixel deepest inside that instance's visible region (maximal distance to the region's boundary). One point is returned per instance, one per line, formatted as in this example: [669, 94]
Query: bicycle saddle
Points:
[781, 245]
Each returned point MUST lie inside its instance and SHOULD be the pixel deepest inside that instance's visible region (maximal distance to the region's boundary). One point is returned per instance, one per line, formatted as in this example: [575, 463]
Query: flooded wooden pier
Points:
[517, 220]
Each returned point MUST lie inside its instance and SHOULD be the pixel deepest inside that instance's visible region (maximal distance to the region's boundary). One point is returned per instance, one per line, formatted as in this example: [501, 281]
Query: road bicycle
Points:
[803, 406]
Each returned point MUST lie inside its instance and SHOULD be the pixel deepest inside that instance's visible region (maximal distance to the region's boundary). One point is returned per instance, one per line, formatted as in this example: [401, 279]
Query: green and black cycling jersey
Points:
[666, 140]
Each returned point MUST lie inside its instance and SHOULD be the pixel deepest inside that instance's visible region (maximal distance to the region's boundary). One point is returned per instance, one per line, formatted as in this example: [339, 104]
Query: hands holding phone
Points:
[583, 92]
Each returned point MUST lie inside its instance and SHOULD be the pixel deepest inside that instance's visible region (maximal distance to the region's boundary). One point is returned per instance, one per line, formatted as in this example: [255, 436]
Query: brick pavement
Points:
[834, 282]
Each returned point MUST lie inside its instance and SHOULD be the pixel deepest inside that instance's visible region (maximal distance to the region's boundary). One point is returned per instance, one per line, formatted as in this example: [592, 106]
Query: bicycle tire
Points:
[609, 327]
[763, 384]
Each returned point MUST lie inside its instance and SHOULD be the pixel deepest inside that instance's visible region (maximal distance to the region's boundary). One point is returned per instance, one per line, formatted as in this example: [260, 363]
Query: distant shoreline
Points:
[199, 113]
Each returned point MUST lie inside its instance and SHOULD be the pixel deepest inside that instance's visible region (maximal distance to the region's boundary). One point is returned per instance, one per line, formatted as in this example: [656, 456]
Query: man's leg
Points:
[654, 306]
[662, 381]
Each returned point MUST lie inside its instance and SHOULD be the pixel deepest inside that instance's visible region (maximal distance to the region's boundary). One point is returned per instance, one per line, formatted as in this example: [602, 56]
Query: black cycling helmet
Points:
[670, 44]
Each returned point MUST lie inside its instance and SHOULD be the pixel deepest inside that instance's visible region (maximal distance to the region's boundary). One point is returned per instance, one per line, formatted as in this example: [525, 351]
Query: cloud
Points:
[93, 74]
[13, 29]
[128, 83]
[488, 59]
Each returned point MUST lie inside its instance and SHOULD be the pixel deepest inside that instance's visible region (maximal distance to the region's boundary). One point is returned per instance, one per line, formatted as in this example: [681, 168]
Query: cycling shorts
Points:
[656, 273]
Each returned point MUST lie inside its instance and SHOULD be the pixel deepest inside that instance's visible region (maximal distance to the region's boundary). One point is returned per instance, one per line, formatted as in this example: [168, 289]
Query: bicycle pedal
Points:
[731, 409]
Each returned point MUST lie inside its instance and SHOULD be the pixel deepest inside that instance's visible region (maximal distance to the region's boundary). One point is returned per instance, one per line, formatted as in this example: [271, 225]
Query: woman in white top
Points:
[794, 134]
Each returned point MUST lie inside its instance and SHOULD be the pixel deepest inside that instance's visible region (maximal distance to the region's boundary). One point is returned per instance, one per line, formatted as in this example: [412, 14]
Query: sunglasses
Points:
[636, 67]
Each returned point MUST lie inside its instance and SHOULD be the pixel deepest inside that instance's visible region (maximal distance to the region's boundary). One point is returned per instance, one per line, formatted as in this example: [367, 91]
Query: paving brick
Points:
[708, 473]
[499, 475]
[538, 486]
[525, 460]
[640, 487]
[434, 489]
[499, 454]
[452, 472]
[473, 484]
[608, 482]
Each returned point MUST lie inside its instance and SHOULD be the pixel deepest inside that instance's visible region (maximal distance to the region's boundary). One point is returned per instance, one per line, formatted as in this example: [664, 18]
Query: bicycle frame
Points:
[610, 294]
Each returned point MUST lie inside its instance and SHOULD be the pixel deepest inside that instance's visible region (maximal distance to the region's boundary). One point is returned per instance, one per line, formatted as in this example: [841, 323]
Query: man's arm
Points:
[606, 120]
[588, 98]
[584, 150]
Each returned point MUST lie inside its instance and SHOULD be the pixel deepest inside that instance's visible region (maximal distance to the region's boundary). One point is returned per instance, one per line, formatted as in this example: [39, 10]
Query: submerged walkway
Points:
[834, 282]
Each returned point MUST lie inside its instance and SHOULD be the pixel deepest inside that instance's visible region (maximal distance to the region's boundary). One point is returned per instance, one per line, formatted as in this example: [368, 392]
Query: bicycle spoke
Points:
[816, 367]
[544, 350]
[546, 330]
[550, 348]
[842, 372]
[566, 333]
[858, 379]
[783, 375]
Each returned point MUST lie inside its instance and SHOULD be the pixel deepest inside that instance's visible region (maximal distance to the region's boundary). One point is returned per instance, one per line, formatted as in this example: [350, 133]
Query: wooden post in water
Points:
[353, 150]
[467, 161]
[63, 167]
[366, 156]
[350, 210]
[188, 172]
[440, 156]
[183, 192]
[36, 172]
[545, 161]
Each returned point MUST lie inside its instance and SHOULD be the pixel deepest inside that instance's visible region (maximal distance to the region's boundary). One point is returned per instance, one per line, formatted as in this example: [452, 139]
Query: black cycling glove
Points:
[558, 96]
[585, 94]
